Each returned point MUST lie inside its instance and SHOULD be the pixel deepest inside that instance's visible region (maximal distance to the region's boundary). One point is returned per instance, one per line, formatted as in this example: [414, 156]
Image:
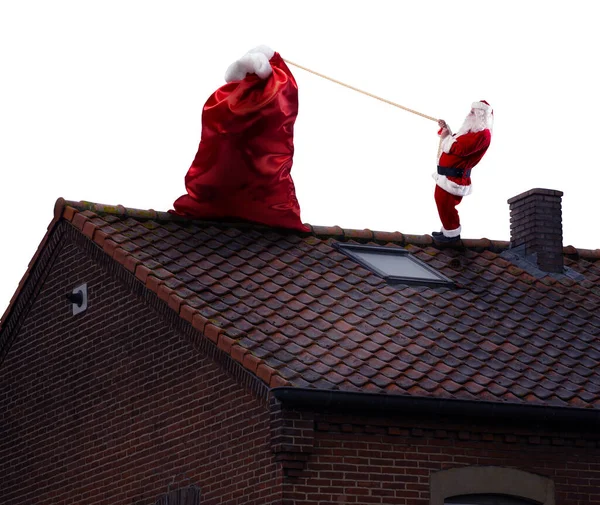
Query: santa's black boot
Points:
[442, 239]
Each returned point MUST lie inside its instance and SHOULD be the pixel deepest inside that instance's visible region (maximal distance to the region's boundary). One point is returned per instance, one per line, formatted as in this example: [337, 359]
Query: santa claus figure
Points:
[460, 153]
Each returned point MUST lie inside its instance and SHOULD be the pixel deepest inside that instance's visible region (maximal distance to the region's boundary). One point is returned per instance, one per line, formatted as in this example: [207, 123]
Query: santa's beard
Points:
[476, 122]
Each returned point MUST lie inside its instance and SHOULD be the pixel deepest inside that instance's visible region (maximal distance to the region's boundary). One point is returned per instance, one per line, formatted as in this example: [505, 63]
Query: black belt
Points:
[454, 172]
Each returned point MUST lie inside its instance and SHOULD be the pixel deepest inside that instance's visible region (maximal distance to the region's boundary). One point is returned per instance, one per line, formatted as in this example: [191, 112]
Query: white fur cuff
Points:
[447, 143]
[451, 233]
[255, 61]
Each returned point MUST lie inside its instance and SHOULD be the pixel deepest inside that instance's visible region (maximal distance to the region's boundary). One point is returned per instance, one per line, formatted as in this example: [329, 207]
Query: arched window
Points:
[490, 485]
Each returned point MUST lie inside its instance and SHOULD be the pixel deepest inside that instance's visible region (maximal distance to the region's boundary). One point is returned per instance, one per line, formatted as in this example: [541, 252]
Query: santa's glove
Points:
[444, 130]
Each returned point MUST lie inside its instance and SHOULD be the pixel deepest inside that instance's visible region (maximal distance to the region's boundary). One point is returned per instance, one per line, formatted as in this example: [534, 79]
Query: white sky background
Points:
[102, 101]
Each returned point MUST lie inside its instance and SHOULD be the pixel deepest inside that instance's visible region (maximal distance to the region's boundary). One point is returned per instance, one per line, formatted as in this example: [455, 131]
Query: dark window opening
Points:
[487, 499]
[395, 265]
[185, 496]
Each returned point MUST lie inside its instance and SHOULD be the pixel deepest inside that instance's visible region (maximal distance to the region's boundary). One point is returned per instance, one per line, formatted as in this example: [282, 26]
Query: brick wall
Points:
[118, 406]
[389, 461]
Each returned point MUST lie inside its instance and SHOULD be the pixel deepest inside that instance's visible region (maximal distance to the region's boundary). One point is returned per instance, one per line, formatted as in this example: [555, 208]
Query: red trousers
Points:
[446, 205]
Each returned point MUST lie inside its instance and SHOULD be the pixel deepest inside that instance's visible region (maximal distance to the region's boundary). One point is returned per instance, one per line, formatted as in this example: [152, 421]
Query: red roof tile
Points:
[295, 311]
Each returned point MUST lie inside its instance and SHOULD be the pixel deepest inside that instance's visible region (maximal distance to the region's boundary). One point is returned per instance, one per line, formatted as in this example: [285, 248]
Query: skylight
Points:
[395, 265]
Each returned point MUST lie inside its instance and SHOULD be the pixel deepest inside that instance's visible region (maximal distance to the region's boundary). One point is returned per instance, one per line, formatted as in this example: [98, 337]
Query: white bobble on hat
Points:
[483, 105]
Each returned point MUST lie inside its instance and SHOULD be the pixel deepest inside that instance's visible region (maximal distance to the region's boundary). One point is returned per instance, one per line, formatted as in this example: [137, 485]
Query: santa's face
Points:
[474, 122]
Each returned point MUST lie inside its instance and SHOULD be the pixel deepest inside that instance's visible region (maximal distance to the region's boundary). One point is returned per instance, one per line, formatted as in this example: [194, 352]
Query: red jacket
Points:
[463, 151]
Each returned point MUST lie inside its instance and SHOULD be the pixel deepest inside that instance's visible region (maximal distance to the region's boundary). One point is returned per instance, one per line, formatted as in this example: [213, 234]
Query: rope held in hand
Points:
[361, 91]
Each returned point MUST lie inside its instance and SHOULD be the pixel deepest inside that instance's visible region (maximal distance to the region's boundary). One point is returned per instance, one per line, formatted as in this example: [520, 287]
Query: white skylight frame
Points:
[430, 276]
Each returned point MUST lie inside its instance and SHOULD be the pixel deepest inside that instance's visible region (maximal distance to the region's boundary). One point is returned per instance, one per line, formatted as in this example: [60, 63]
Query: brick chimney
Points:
[536, 226]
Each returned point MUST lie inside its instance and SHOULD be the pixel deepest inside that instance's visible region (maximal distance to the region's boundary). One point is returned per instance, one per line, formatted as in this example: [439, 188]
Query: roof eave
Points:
[381, 403]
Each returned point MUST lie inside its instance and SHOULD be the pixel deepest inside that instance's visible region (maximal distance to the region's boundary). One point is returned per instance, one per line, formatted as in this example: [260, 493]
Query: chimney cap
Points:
[536, 191]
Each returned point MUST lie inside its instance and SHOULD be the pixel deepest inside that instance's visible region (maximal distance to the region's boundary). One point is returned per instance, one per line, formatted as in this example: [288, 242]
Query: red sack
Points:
[242, 168]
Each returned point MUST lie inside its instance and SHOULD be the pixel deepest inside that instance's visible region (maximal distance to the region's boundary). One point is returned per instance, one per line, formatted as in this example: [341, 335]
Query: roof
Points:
[296, 312]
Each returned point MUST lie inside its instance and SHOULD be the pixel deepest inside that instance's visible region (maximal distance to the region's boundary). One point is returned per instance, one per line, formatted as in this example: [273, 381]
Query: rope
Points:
[361, 91]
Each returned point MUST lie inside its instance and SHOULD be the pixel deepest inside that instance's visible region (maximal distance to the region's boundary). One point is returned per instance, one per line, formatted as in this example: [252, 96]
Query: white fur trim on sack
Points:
[451, 233]
[451, 187]
[255, 61]
[266, 50]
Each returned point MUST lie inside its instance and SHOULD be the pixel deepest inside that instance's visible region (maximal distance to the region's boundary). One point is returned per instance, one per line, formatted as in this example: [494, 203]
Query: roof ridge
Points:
[335, 232]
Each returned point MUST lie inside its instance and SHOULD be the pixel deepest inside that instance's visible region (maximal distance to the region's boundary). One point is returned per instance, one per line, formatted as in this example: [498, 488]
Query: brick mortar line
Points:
[455, 433]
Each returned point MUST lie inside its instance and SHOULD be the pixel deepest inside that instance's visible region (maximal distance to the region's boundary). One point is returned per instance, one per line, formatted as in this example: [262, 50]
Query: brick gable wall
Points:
[389, 461]
[115, 405]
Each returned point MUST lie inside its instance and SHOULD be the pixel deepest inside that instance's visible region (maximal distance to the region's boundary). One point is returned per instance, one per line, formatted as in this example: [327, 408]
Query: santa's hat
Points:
[483, 105]
[255, 61]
